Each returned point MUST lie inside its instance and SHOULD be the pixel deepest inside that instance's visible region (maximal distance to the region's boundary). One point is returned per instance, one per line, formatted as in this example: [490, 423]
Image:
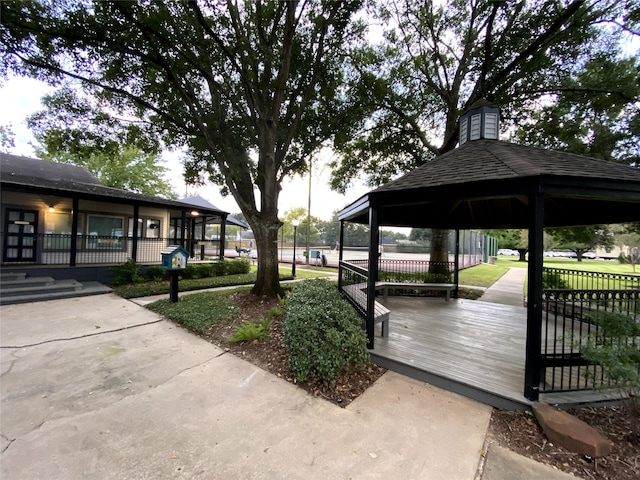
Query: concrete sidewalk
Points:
[508, 290]
[99, 387]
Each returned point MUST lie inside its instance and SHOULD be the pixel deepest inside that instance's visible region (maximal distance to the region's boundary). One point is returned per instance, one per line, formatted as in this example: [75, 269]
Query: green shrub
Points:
[238, 265]
[155, 273]
[553, 281]
[614, 346]
[322, 333]
[128, 272]
[250, 331]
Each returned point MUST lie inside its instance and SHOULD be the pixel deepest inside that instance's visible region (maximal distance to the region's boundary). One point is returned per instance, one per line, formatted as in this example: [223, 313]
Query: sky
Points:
[20, 97]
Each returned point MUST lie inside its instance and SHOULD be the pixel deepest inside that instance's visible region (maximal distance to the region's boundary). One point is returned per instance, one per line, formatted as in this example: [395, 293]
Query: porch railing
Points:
[55, 249]
[568, 326]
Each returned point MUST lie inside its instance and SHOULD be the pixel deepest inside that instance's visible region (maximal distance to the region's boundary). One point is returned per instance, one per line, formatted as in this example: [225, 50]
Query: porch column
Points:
[134, 241]
[73, 248]
[533, 360]
[223, 235]
[374, 240]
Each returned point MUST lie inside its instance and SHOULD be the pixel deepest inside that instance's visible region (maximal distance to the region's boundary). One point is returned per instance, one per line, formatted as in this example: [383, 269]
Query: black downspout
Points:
[456, 264]
[183, 229]
[374, 240]
[73, 248]
[134, 242]
[533, 359]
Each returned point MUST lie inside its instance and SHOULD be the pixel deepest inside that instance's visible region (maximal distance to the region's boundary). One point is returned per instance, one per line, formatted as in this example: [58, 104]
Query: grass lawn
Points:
[588, 265]
[483, 275]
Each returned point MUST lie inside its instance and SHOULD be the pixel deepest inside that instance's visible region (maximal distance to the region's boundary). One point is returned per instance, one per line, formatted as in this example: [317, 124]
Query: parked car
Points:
[508, 252]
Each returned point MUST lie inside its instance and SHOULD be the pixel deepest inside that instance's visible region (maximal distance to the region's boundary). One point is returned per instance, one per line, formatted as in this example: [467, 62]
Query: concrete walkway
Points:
[508, 290]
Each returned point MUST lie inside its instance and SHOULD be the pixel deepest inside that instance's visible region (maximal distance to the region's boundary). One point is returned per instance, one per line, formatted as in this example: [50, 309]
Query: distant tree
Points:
[627, 237]
[7, 138]
[70, 129]
[422, 235]
[582, 239]
[512, 239]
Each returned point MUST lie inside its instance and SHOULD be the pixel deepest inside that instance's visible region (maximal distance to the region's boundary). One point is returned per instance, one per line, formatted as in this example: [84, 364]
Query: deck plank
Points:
[478, 345]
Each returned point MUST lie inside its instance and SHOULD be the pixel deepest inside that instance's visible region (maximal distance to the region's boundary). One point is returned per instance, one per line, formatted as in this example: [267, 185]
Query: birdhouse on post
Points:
[174, 259]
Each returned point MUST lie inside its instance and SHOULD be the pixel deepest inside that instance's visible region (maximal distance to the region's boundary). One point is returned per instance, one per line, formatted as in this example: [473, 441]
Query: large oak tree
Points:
[438, 58]
[249, 87]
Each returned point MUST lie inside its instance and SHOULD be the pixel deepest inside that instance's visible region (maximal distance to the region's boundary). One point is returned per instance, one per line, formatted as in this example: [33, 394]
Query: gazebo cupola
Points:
[480, 121]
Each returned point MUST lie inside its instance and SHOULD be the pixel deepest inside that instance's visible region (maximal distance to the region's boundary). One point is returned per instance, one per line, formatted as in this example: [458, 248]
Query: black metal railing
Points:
[568, 326]
[561, 278]
[353, 285]
[56, 249]
[410, 271]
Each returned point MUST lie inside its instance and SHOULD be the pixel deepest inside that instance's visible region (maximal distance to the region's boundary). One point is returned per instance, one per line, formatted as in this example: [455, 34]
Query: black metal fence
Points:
[561, 278]
[55, 249]
[569, 323]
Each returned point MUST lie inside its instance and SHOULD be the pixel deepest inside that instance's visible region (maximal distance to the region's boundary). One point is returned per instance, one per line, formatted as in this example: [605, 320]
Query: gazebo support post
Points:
[374, 240]
[340, 247]
[533, 359]
[456, 264]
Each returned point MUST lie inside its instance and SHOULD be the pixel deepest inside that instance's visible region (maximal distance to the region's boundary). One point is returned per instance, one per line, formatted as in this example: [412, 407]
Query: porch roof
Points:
[200, 202]
[486, 183]
[32, 175]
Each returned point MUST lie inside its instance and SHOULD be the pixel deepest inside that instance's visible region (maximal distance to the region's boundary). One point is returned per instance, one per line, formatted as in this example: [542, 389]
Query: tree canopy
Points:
[437, 58]
[249, 87]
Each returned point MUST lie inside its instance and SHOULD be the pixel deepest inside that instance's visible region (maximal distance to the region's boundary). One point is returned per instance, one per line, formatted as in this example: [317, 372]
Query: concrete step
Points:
[12, 276]
[26, 282]
[25, 288]
[59, 289]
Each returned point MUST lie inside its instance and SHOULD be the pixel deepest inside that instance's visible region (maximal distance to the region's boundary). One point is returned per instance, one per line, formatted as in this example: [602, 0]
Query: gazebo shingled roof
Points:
[484, 184]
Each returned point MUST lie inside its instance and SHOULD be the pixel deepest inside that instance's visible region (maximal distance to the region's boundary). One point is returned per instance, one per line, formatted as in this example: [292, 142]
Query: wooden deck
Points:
[476, 349]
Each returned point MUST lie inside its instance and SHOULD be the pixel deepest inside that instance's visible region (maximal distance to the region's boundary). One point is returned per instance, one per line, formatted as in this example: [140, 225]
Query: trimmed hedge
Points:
[322, 332]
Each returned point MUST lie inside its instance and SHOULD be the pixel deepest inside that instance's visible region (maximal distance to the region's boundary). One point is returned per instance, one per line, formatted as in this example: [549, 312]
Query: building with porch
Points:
[58, 219]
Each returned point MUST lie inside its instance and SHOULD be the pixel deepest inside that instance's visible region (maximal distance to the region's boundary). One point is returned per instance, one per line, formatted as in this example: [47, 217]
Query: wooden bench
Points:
[381, 313]
[447, 288]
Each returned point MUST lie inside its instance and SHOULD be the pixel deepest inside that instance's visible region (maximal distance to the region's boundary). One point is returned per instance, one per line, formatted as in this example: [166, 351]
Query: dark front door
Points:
[20, 235]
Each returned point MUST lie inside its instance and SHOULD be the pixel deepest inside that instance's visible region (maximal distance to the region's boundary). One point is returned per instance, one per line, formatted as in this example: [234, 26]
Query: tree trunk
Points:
[439, 256]
[268, 278]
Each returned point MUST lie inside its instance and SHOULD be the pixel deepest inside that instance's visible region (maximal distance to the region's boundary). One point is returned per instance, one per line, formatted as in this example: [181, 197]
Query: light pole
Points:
[295, 224]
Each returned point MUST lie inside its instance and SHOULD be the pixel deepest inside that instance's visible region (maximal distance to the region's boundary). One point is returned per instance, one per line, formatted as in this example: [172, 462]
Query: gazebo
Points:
[487, 183]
